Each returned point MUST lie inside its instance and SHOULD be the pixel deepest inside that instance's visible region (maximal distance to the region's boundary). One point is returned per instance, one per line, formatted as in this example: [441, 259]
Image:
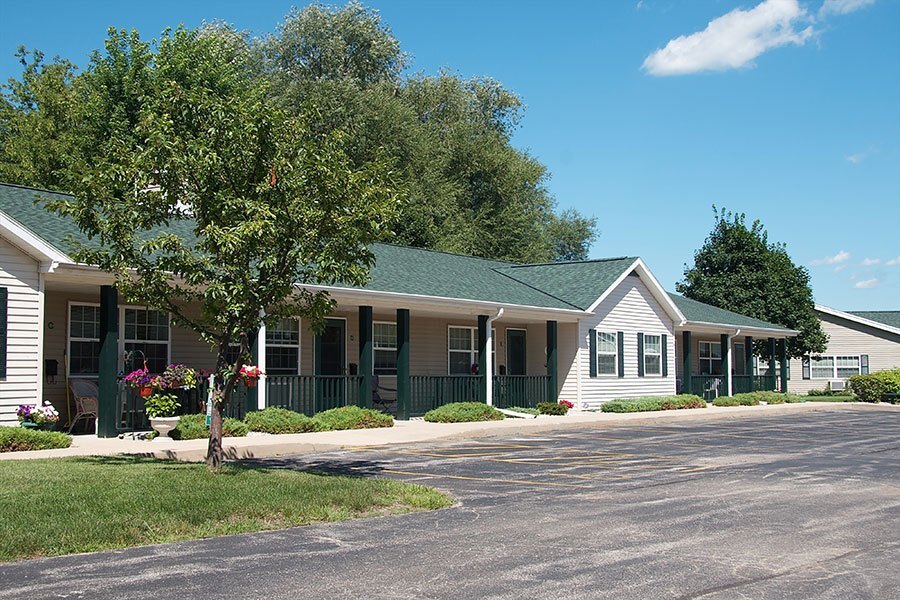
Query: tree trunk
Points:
[223, 386]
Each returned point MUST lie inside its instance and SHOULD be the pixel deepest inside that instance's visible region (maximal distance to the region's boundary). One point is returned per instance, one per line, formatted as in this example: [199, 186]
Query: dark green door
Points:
[331, 356]
[515, 365]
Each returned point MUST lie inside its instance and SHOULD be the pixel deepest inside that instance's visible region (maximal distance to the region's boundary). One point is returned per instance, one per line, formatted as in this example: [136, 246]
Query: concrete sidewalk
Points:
[261, 445]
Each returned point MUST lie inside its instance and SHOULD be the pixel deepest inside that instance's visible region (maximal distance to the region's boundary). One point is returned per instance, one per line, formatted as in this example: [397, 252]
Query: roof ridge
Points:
[854, 312]
[537, 289]
[447, 252]
[574, 262]
[33, 188]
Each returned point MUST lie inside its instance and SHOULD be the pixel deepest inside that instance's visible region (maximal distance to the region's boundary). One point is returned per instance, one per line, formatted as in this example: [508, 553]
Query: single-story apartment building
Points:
[859, 342]
[427, 329]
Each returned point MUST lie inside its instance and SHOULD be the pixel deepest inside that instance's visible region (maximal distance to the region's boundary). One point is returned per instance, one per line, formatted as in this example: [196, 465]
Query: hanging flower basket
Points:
[145, 391]
[250, 382]
[250, 374]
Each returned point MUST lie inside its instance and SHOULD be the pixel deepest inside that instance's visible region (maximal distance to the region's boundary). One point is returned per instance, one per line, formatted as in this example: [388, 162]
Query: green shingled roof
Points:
[577, 283]
[705, 313]
[401, 269]
[888, 317]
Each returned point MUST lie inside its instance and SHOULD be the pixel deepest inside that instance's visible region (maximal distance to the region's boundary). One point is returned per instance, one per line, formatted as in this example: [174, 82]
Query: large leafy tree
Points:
[739, 269]
[467, 189]
[197, 189]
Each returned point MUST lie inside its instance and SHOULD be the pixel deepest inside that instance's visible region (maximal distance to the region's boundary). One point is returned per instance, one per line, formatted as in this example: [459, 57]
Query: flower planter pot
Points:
[162, 426]
[41, 426]
[145, 391]
[250, 383]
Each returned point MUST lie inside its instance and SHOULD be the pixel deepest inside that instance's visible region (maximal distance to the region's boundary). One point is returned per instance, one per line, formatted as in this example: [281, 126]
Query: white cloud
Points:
[866, 284]
[640, 4]
[893, 262]
[868, 262]
[856, 158]
[839, 268]
[733, 40]
[831, 260]
[842, 7]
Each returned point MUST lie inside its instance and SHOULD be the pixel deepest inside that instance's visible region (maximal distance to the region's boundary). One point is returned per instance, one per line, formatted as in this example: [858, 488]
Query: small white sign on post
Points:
[209, 401]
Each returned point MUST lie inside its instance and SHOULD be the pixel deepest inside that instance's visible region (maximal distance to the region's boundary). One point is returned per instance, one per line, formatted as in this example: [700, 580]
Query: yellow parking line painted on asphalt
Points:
[488, 479]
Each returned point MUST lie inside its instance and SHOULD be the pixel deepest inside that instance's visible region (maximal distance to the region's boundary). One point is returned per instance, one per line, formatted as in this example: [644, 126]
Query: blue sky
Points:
[648, 112]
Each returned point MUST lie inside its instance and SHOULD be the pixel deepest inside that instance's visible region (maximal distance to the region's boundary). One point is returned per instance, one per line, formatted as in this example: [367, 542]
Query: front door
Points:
[331, 357]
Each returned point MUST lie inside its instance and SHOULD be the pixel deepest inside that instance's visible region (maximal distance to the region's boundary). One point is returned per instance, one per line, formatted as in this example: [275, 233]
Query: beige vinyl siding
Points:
[847, 338]
[629, 308]
[20, 274]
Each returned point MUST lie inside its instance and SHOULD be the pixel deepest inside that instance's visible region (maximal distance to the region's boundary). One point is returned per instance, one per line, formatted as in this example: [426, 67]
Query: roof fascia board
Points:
[29, 242]
[706, 327]
[856, 319]
[655, 289]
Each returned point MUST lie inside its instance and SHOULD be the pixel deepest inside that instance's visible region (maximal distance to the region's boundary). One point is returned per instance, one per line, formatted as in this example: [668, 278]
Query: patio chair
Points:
[377, 398]
[711, 391]
[85, 393]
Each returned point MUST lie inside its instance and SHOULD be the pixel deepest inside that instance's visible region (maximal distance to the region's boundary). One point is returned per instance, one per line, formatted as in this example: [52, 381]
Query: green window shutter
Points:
[4, 302]
[621, 361]
[665, 355]
[864, 364]
[640, 340]
[805, 367]
[592, 337]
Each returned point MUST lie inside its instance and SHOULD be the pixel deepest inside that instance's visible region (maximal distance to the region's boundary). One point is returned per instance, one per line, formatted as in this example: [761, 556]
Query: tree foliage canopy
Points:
[198, 189]
[465, 187]
[738, 269]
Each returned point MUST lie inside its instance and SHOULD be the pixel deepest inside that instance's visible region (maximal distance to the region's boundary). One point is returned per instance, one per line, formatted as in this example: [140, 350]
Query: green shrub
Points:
[524, 410]
[873, 387]
[463, 412]
[193, 427]
[279, 420]
[829, 393]
[20, 439]
[754, 398]
[652, 403]
[552, 408]
[736, 400]
[352, 417]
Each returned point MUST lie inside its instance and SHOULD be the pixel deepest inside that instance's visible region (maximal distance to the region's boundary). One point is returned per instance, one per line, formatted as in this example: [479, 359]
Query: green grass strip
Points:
[51, 507]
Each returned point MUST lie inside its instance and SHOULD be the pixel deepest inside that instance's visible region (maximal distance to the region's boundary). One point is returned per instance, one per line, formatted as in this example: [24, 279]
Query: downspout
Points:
[489, 361]
[730, 357]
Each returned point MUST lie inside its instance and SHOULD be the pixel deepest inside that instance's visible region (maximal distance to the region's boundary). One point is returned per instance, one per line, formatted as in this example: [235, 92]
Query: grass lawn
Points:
[62, 506]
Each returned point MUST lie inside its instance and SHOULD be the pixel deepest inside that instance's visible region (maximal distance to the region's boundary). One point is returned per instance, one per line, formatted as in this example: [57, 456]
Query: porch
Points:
[370, 356]
[712, 365]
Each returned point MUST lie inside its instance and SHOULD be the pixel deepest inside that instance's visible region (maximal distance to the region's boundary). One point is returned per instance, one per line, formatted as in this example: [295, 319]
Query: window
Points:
[607, 353]
[384, 342]
[822, 367]
[462, 350]
[834, 367]
[84, 340]
[762, 368]
[710, 358]
[283, 348]
[146, 335]
[652, 355]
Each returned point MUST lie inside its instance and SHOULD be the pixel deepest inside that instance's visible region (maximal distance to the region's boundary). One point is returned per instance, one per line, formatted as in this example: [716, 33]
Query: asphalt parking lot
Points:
[803, 505]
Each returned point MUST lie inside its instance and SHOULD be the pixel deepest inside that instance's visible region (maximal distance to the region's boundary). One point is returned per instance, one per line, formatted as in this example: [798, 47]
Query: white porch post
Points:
[489, 366]
[261, 361]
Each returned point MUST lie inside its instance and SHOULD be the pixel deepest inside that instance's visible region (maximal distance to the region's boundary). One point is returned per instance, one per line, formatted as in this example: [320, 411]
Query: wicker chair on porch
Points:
[85, 393]
[377, 398]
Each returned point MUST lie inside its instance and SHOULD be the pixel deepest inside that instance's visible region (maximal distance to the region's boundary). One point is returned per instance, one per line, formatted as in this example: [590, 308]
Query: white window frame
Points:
[709, 359]
[648, 354]
[473, 352]
[614, 353]
[285, 345]
[120, 362]
[376, 348]
[834, 365]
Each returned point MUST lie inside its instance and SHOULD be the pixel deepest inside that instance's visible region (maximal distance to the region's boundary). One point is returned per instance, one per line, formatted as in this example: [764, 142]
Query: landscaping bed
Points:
[653, 403]
[51, 507]
[463, 412]
[21, 439]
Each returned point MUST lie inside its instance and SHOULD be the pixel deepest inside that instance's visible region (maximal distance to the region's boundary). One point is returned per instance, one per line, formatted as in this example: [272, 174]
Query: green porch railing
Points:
[309, 394]
[520, 390]
[742, 384]
[430, 391]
